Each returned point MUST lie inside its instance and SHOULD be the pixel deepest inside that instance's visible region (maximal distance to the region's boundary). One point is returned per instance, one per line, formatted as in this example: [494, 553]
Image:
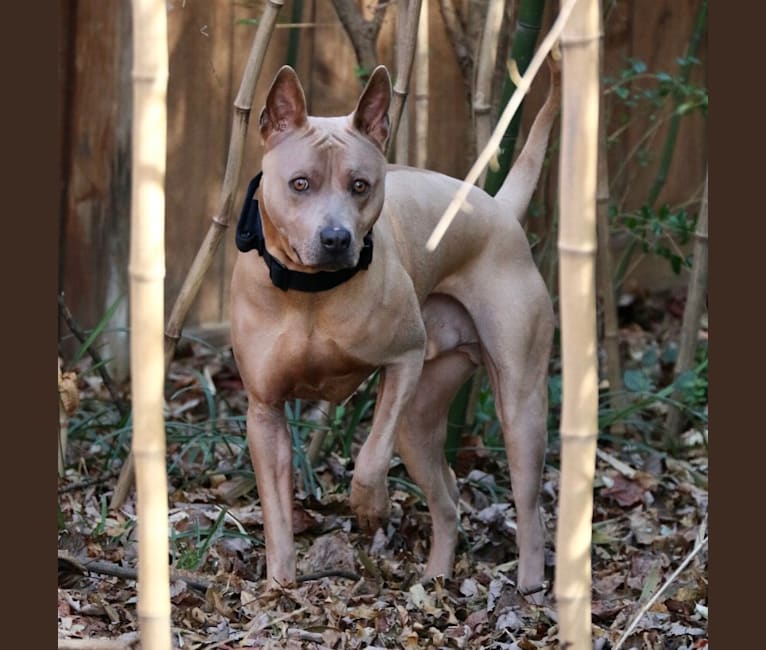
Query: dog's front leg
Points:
[271, 453]
[369, 489]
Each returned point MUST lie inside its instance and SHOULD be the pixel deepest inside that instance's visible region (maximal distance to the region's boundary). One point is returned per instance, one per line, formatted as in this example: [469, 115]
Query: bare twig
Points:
[129, 573]
[330, 573]
[87, 482]
[697, 548]
[304, 635]
[623, 468]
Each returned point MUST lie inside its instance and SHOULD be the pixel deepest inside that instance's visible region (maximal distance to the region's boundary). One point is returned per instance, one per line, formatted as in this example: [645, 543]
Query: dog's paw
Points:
[370, 504]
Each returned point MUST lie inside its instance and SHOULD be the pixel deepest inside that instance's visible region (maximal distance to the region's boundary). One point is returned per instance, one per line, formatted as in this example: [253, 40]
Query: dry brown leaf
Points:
[624, 491]
[69, 394]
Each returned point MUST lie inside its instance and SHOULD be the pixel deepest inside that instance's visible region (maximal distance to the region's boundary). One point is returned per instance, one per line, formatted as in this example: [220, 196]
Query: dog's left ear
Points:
[371, 113]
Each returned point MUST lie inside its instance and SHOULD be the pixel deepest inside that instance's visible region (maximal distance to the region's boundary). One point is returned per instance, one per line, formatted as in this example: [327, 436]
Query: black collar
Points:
[249, 237]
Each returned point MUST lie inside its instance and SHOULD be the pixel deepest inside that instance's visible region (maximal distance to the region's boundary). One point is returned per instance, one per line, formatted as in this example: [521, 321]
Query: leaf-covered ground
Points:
[364, 592]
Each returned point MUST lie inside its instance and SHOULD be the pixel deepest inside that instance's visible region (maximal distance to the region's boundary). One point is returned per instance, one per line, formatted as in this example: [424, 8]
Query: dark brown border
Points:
[737, 441]
[28, 266]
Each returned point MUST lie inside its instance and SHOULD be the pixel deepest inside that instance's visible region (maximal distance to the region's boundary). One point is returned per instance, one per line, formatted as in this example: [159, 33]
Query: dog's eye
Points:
[359, 186]
[300, 184]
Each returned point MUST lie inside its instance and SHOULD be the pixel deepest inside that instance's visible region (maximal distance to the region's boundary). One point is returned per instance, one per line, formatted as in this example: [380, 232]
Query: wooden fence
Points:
[209, 41]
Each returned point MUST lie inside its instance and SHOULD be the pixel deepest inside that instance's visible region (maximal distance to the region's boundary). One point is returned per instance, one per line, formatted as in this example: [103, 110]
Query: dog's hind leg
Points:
[452, 354]
[420, 443]
[515, 326]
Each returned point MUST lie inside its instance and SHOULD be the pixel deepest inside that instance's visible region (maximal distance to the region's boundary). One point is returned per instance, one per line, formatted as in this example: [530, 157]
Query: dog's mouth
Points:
[325, 262]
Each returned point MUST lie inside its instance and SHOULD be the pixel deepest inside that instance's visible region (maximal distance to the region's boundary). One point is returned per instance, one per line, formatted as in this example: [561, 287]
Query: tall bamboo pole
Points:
[421, 89]
[695, 303]
[523, 45]
[147, 273]
[243, 105]
[485, 68]
[402, 149]
[405, 59]
[202, 261]
[605, 268]
[577, 251]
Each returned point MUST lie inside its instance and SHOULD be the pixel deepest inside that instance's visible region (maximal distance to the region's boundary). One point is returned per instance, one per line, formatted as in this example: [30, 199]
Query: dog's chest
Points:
[320, 368]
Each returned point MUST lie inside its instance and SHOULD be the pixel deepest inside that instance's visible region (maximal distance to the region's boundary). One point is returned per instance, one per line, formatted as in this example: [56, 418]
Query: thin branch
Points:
[647, 606]
[129, 573]
[330, 573]
[81, 485]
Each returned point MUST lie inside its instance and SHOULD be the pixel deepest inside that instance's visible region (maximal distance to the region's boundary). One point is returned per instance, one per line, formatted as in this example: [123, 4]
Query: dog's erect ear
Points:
[371, 114]
[285, 104]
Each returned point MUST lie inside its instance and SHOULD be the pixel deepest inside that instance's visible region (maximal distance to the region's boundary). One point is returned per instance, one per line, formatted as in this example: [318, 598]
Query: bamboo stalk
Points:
[485, 68]
[605, 270]
[695, 303]
[294, 38]
[403, 74]
[204, 258]
[402, 149]
[421, 89]
[318, 436]
[147, 273]
[577, 251]
[242, 108]
[458, 201]
[524, 39]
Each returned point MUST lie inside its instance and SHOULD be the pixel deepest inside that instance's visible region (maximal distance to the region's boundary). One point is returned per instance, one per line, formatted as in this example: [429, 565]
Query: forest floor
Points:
[650, 515]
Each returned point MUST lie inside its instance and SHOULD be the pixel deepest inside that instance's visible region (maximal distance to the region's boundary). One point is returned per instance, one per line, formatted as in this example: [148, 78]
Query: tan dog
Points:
[426, 319]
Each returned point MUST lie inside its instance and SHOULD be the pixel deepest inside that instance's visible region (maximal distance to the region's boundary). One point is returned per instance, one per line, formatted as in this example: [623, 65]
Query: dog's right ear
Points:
[285, 106]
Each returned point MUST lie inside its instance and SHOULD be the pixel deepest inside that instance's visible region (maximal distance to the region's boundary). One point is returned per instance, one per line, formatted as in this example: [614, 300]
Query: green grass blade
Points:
[97, 331]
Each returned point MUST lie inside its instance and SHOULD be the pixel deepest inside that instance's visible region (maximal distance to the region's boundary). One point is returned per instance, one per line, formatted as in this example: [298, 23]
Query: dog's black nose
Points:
[335, 240]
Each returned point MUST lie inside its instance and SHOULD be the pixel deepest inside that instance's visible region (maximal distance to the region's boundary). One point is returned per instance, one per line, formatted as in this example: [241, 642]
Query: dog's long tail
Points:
[519, 185]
